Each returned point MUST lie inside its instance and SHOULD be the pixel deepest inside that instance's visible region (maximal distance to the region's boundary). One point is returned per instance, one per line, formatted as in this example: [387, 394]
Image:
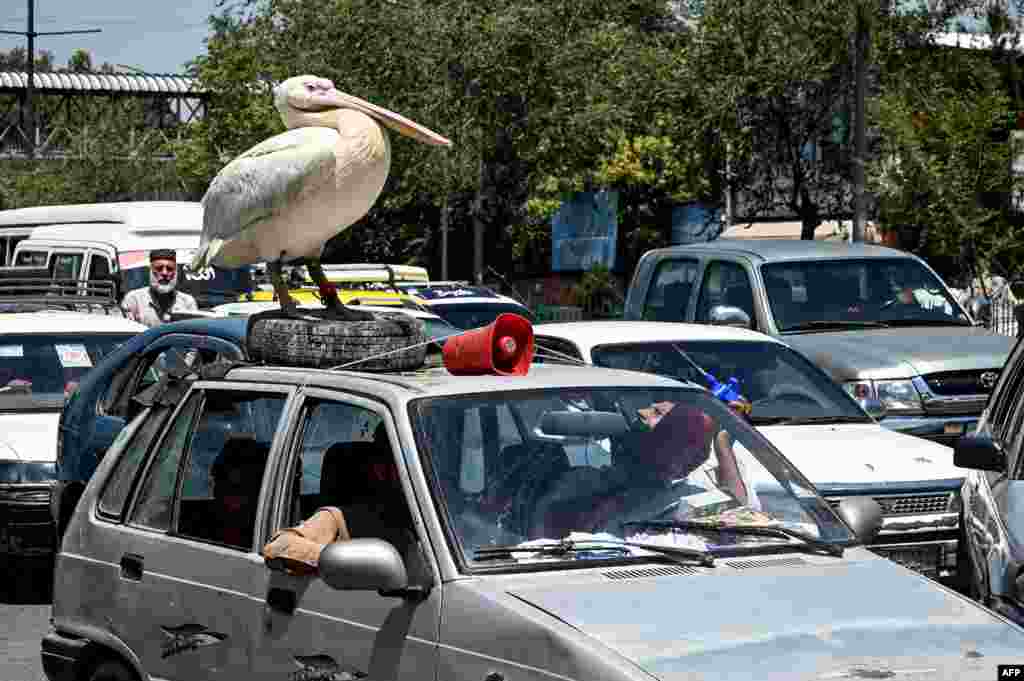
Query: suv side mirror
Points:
[363, 565]
[979, 452]
[863, 515]
[727, 315]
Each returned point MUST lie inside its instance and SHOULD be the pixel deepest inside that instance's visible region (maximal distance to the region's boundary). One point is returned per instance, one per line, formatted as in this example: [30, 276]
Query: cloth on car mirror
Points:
[296, 550]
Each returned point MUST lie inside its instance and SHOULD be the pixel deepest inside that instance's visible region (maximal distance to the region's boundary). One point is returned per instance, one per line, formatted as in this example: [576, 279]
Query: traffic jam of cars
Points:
[789, 460]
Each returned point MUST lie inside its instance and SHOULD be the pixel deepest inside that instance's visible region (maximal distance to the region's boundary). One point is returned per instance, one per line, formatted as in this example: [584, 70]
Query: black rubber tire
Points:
[113, 670]
[309, 341]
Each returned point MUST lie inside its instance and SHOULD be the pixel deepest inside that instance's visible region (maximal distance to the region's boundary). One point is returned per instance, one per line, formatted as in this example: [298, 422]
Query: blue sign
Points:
[695, 222]
[584, 232]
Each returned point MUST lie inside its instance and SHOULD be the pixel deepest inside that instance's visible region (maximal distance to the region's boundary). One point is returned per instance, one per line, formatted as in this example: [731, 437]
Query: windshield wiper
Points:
[927, 322]
[569, 546]
[834, 324]
[806, 420]
[753, 530]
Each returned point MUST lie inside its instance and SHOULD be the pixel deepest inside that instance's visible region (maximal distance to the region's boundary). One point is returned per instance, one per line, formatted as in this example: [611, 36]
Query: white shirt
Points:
[140, 306]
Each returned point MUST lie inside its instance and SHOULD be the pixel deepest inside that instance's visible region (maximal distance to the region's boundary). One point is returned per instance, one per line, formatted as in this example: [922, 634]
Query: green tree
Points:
[943, 174]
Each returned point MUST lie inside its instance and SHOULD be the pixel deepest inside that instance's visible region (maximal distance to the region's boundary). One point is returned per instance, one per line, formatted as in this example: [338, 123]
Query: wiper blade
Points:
[753, 530]
[568, 546]
[835, 324]
[807, 420]
[927, 322]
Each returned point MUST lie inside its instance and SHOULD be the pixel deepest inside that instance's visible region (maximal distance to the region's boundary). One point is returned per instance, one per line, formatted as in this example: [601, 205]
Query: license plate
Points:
[921, 558]
[954, 429]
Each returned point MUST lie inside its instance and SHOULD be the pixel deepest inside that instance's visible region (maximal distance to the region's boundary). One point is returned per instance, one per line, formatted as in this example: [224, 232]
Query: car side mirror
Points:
[727, 315]
[874, 408]
[979, 452]
[863, 515]
[104, 432]
[363, 565]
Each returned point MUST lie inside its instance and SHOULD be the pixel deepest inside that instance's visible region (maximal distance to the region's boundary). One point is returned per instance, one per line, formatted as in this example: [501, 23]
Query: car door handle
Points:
[281, 600]
[131, 567]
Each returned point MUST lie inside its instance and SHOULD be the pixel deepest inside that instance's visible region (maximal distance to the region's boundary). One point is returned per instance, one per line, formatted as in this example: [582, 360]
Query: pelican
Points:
[281, 200]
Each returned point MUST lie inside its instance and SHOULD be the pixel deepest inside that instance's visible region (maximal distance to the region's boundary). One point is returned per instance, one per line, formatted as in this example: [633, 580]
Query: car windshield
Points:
[610, 468]
[27, 471]
[39, 371]
[475, 315]
[820, 295]
[778, 381]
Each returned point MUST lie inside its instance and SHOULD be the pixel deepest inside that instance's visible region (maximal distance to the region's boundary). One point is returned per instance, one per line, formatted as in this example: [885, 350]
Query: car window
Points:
[807, 294]
[99, 267]
[1008, 386]
[227, 456]
[347, 460]
[670, 290]
[556, 350]
[725, 283]
[117, 399]
[153, 506]
[142, 432]
[42, 370]
[32, 258]
[66, 265]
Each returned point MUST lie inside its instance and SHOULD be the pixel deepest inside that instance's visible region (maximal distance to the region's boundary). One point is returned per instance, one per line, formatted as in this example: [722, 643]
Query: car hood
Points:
[29, 436]
[903, 352]
[856, 454]
[843, 619]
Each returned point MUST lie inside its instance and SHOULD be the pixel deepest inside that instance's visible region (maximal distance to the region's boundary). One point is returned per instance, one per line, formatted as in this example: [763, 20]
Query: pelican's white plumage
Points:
[285, 197]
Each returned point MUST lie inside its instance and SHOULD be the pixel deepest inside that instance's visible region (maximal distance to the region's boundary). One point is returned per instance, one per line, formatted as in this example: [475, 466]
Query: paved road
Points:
[24, 620]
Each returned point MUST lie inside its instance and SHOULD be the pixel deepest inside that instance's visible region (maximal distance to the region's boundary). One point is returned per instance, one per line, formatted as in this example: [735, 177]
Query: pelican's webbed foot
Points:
[284, 298]
[329, 295]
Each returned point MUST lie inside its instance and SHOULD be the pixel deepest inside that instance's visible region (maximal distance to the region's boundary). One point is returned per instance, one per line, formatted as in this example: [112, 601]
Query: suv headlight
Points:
[898, 395]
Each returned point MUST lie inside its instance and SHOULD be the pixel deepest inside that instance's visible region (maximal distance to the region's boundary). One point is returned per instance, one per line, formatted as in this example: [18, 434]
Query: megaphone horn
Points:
[503, 348]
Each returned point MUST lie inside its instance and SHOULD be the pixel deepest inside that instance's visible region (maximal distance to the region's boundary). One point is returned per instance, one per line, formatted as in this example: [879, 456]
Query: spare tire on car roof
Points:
[391, 341]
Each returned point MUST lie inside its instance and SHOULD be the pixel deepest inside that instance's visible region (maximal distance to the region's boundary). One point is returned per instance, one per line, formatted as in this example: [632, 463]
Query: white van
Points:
[96, 241]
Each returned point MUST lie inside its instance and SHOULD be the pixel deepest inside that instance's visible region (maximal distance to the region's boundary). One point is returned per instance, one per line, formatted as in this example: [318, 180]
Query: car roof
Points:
[768, 250]
[588, 334]
[61, 321]
[232, 328]
[439, 382]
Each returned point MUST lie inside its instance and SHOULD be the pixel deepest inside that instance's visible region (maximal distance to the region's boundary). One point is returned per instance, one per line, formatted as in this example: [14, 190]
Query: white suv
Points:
[804, 413]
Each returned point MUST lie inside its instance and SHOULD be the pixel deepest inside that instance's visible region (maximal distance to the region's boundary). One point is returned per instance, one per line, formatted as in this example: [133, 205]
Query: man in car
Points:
[152, 305]
[684, 466]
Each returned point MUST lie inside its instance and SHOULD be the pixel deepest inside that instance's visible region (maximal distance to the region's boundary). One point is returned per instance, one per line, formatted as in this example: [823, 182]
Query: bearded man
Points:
[152, 305]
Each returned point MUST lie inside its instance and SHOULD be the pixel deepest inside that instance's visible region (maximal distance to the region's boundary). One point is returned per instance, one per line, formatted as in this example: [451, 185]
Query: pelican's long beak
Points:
[396, 122]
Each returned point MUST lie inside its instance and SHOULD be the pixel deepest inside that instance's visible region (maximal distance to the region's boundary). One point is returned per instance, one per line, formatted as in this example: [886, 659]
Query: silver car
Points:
[572, 523]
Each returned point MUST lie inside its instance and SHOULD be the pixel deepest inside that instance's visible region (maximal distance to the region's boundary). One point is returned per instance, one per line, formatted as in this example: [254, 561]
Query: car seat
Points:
[236, 477]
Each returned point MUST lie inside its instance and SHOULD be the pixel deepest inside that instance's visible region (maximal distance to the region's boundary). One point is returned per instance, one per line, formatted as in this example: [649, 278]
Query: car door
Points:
[339, 458]
[193, 585]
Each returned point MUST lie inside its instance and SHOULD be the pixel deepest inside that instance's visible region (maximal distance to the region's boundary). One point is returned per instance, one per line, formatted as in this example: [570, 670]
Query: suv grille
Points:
[955, 383]
[910, 504]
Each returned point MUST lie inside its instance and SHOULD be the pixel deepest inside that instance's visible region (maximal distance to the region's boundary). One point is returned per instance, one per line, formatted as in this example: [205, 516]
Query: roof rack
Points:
[30, 289]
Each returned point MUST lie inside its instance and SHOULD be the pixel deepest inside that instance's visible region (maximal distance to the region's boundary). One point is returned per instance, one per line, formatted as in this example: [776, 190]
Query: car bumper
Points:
[942, 429]
[61, 655]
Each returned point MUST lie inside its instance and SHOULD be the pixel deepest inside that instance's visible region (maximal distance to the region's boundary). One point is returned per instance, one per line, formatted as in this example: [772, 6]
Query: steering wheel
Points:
[790, 392]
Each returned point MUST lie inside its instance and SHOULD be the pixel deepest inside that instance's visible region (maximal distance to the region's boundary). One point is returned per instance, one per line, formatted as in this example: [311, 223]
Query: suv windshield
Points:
[776, 379]
[827, 294]
[38, 371]
[596, 464]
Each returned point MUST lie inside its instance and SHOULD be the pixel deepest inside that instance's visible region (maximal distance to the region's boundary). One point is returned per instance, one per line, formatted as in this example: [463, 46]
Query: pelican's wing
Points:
[258, 182]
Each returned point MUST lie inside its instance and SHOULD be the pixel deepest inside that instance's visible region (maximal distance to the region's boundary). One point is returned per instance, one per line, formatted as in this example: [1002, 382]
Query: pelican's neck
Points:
[313, 119]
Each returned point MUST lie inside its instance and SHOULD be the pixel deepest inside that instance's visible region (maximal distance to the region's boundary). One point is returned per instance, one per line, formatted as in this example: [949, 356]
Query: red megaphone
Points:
[504, 348]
